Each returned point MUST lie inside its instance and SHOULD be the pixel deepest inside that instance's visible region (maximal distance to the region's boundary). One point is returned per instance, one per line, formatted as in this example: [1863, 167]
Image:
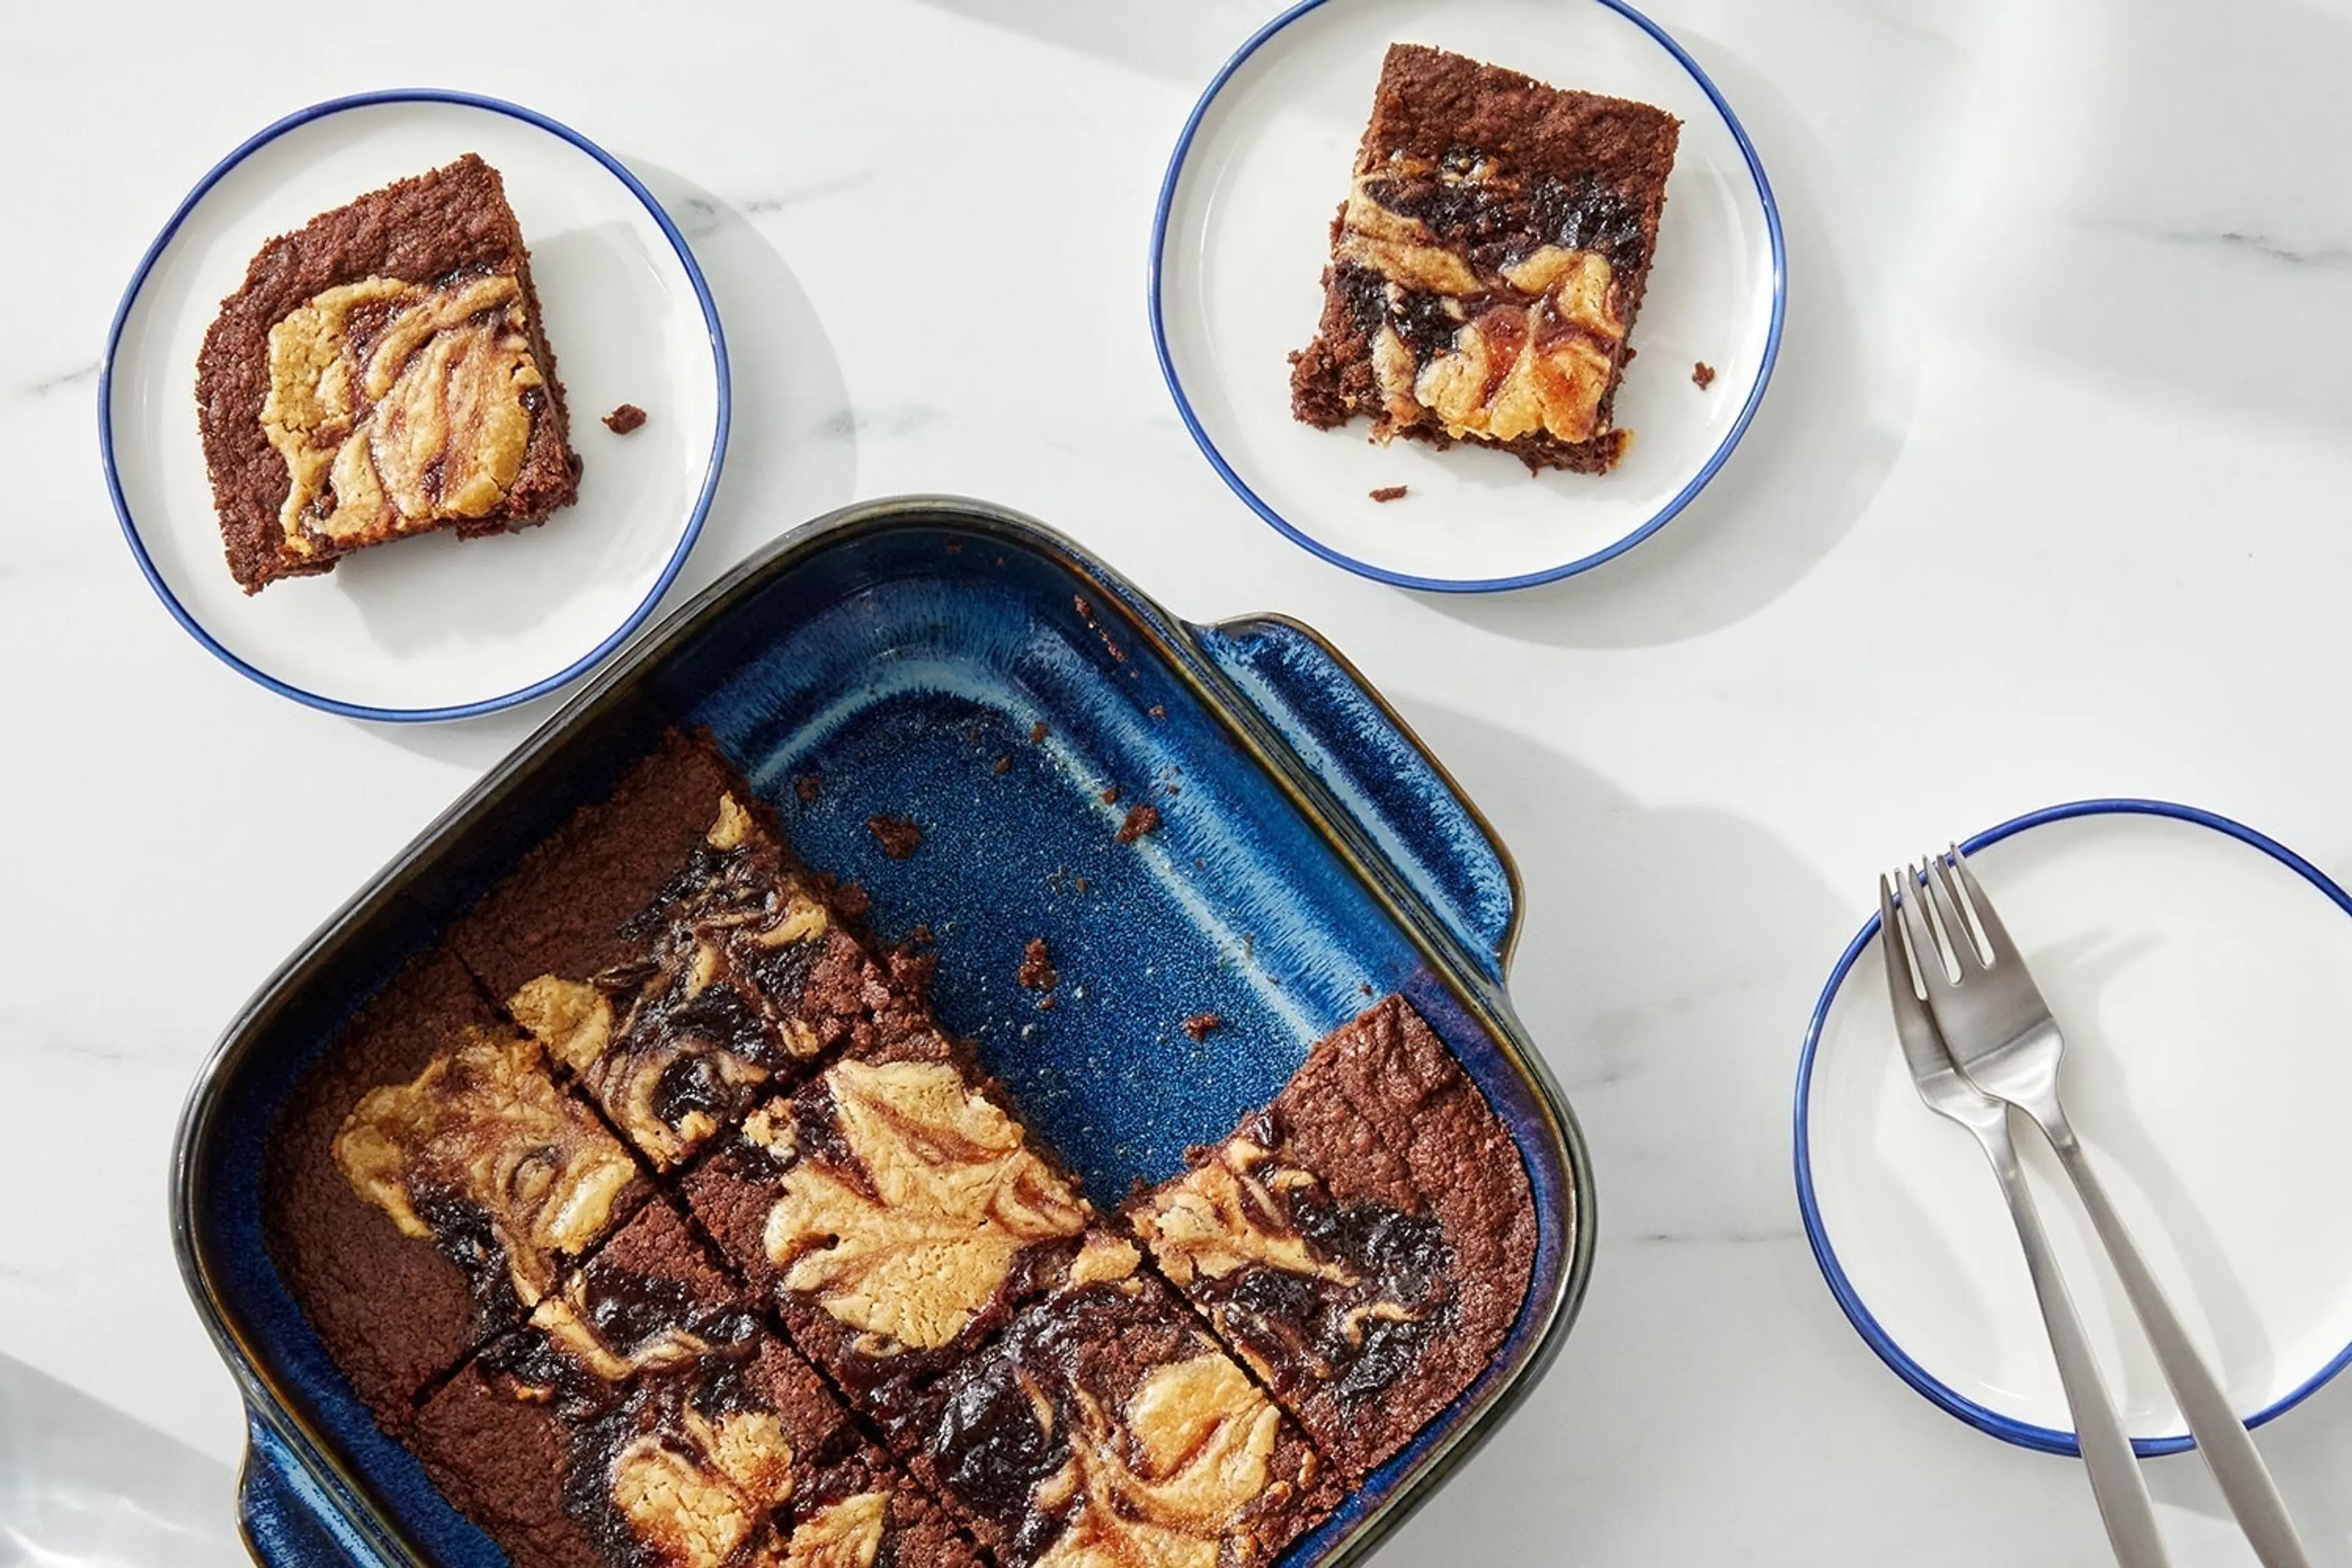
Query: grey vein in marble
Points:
[2321, 257]
[898, 419]
[50, 386]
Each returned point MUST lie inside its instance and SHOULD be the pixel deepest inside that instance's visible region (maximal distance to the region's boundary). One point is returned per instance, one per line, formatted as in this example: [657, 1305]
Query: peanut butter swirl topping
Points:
[398, 406]
[1166, 1482]
[675, 1044]
[1497, 340]
[483, 1132]
[908, 1243]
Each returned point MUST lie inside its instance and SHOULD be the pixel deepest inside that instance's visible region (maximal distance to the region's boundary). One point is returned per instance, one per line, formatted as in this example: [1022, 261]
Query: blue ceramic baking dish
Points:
[1312, 855]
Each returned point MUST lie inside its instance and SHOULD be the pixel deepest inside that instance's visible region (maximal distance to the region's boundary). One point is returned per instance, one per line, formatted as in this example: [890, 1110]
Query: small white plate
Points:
[432, 627]
[1244, 231]
[2202, 975]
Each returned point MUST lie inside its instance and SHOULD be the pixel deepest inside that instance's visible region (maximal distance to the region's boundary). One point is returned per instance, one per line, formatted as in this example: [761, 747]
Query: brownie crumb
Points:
[625, 418]
[1702, 374]
[1002, 766]
[1037, 972]
[1141, 820]
[1157, 711]
[898, 837]
[921, 936]
[851, 901]
[1046, 1004]
[1365, 986]
[1389, 492]
[1078, 603]
[806, 786]
[1110, 796]
[1037, 732]
[1199, 1025]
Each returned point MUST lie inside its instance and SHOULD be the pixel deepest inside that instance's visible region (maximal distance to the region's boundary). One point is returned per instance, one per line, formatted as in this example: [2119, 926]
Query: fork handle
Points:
[2115, 1479]
[2228, 1448]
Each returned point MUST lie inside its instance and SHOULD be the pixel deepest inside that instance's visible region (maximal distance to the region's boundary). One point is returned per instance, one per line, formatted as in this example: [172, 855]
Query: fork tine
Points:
[1922, 943]
[1942, 898]
[1999, 946]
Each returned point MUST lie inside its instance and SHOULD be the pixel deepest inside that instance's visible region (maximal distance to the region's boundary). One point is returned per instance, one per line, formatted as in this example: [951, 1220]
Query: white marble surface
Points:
[2071, 299]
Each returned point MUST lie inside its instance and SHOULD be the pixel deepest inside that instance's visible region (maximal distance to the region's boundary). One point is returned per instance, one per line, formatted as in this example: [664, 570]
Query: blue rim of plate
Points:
[1298, 536]
[693, 530]
[2025, 1434]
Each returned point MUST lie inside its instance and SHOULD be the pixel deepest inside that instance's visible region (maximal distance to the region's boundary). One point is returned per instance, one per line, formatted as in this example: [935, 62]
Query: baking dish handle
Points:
[1346, 735]
[286, 1519]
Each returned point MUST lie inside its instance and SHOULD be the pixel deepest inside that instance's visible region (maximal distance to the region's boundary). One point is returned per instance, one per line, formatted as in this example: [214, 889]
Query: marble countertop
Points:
[2070, 304]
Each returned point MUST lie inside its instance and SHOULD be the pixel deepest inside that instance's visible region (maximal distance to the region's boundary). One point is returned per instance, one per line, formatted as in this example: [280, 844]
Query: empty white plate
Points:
[1243, 230]
[432, 627]
[2202, 975]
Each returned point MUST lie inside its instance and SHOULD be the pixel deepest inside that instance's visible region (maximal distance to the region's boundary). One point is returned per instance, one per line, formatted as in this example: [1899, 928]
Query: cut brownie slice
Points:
[671, 954]
[895, 1210]
[427, 1183]
[1103, 1426]
[383, 372]
[1364, 1243]
[645, 1418]
[1489, 262]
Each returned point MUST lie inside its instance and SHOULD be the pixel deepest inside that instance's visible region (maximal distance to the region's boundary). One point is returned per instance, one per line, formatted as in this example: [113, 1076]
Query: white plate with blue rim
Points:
[432, 627]
[1242, 233]
[2202, 975]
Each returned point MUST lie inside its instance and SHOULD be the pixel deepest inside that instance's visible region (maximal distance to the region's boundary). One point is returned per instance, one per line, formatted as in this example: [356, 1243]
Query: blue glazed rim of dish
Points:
[693, 530]
[2024, 1434]
[1665, 514]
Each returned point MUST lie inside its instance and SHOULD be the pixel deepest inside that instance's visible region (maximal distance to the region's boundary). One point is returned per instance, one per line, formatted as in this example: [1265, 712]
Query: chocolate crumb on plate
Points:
[627, 418]
[1702, 374]
[898, 837]
[807, 786]
[1037, 732]
[1200, 1025]
[1110, 796]
[1389, 493]
[1002, 766]
[1141, 820]
[1038, 971]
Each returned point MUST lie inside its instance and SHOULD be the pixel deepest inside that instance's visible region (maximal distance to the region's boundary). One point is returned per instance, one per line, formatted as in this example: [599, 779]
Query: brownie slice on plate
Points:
[429, 1184]
[1364, 1243]
[1104, 1425]
[1487, 264]
[672, 955]
[383, 372]
[644, 1418]
[894, 1209]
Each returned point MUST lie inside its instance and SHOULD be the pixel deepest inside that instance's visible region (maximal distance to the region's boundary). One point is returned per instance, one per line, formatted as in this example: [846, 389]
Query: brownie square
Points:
[671, 954]
[645, 1417]
[895, 1210]
[1364, 1244]
[392, 1210]
[383, 372]
[1105, 1426]
[1489, 262]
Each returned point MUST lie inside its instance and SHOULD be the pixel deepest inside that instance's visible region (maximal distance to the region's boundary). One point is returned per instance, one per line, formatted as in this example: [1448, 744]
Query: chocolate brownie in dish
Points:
[1364, 1244]
[645, 1417]
[672, 956]
[383, 372]
[1105, 1426]
[895, 1210]
[429, 1184]
[1489, 262]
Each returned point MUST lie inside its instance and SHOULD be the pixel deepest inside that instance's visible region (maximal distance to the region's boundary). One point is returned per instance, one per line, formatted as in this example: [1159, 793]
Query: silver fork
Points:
[2116, 1481]
[2003, 1039]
